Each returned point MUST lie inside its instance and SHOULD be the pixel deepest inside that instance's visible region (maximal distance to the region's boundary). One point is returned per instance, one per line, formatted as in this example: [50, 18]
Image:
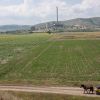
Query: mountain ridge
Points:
[5, 28]
[78, 24]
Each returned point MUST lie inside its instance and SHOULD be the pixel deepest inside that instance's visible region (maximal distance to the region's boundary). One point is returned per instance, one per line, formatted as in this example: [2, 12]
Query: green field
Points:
[42, 59]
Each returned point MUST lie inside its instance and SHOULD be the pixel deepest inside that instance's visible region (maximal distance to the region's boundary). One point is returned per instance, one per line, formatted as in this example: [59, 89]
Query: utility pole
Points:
[57, 14]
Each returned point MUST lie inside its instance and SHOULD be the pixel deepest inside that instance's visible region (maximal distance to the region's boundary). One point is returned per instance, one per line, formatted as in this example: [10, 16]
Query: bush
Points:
[49, 32]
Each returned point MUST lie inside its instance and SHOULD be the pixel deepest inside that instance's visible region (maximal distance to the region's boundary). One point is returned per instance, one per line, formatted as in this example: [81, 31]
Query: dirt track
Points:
[57, 90]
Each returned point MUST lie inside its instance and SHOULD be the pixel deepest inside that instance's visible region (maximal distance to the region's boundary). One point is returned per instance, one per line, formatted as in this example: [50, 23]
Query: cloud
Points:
[35, 11]
[10, 2]
[30, 9]
[87, 5]
[86, 8]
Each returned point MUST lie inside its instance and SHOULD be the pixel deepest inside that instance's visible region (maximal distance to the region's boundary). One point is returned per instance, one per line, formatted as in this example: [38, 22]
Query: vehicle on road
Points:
[98, 90]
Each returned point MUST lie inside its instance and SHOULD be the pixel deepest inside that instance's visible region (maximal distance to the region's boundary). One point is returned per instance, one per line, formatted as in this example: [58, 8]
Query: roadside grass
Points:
[38, 59]
[41, 96]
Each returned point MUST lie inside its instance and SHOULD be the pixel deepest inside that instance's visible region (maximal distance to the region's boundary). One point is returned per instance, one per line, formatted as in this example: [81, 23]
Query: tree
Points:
[49, 32]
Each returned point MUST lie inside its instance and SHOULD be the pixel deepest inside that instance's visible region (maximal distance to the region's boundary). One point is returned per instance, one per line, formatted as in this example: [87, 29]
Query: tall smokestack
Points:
[57, 14]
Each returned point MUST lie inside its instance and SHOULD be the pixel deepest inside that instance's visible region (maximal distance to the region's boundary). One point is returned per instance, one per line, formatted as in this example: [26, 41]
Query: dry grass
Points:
[77, 35]
[8, 96]
[3, 61]
[41, 96]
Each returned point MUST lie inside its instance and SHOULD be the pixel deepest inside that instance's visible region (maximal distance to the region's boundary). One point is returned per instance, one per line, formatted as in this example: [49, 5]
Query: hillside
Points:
[5, 28]
[79, 24]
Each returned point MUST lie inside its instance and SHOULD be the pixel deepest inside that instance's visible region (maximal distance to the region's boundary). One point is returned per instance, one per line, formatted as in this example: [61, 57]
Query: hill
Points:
[5, 28]
[79, 24]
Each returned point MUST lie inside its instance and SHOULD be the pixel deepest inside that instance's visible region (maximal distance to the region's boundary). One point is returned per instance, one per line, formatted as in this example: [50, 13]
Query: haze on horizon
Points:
[30, 12]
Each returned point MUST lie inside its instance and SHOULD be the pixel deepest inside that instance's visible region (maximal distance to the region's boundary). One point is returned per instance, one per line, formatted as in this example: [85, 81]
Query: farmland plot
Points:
[38, 59]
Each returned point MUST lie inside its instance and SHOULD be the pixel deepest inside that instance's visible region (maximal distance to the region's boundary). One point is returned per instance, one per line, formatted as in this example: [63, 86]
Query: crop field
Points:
[43, 59]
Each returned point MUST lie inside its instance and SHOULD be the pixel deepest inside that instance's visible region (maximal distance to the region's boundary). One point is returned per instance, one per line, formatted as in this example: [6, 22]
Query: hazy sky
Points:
[37, 11]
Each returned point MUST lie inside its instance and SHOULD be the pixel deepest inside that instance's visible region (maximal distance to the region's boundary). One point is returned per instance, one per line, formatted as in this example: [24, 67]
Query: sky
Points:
[30, 12]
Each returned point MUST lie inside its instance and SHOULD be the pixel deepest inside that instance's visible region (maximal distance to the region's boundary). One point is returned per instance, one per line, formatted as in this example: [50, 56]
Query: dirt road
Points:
[55, 90]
